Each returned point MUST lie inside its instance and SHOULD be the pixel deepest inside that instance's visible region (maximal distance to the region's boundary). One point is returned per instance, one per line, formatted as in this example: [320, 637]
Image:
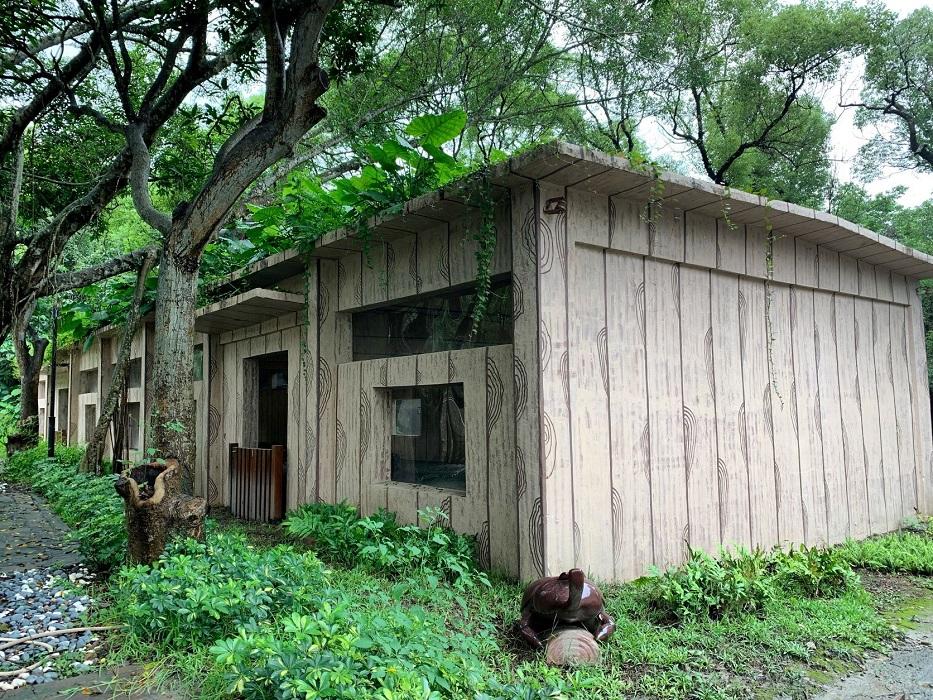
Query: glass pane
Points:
[198, 368]
[432, 323]
[428, 436]
[135, 373]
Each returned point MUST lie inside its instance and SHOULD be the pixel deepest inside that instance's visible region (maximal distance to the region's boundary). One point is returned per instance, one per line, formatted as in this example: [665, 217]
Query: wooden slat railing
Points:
[257, 483]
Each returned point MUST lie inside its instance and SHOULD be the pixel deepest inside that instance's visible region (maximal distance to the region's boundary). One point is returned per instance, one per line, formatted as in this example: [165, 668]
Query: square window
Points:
[428, 433]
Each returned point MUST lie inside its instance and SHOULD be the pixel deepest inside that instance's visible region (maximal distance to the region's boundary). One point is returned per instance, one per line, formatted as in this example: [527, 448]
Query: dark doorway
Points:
[271, 407]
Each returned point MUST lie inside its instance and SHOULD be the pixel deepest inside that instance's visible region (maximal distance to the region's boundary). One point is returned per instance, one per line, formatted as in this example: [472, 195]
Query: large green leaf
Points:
[437, 129]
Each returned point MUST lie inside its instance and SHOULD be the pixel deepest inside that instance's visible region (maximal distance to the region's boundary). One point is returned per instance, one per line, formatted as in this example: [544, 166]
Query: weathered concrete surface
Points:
[31, 536]
[905, 674]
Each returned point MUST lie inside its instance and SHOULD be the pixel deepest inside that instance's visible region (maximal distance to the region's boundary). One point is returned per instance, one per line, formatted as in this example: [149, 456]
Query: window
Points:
[428, 436]
[62, 408]
[197, 370]
[88, 381]
[90, 420]
[433, 322]
[133, 431]
[134, 373]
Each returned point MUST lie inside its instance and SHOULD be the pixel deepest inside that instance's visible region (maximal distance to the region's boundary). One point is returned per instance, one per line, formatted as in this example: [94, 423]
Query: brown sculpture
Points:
[568, 599]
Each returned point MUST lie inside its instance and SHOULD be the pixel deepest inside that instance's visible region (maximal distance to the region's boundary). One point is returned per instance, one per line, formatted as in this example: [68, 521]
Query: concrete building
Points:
[664, 363]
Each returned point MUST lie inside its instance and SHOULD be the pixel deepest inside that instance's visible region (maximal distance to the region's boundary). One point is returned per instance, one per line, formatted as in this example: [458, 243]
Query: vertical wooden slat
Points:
[562, 541]
[727, 360]
[500, 460]
[823, 474]
[374, 436]
[433, 258]
[633, 542]
[871, 420]
[667, 233]
[350, 281]
[589, 381]
[327, 381]
[851, 416]
[665, 414]
[920, 402]
[348, 433]
[883, 338]
[525, 385]
[308, 353]
[784, 436]
[807, 426]
[730, 247]
[295, 466]
[629, 231]
[753, 338]
[699, 407]
[403, 501]
[277, 477]
[902, 410]
[700, 240]
[468, 366]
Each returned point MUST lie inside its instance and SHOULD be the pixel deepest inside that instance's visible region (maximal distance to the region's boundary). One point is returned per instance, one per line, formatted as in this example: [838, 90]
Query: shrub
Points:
[814, 572]
[200, 591]
[898, 552]
[378, 542]
[704, 587]
[87, 503]
[392, 653]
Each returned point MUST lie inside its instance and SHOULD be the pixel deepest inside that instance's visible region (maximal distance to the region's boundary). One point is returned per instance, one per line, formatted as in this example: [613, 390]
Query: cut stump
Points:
[157, 510]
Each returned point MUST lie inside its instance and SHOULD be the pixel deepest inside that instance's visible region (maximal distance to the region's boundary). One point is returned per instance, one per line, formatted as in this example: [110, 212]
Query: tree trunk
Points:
[157, 510]
[95, 446]
[172, 391]
[30, 365]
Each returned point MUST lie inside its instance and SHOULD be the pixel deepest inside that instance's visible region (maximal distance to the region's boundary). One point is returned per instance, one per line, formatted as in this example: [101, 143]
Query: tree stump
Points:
[157, 510]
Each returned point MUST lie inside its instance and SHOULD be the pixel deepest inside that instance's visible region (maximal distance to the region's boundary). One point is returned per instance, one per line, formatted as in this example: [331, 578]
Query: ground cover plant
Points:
[341, 606]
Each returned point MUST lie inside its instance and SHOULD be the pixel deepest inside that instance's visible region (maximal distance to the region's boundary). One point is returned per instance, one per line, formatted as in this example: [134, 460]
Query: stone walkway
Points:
[35, 540]
[31, 536]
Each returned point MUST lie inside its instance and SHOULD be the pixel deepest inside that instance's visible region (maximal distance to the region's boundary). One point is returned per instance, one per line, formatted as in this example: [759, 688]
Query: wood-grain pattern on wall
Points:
[705, 400]
[363, 418]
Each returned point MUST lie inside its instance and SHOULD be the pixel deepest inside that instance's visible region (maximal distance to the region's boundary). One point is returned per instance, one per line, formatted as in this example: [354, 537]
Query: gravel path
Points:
[41, 589]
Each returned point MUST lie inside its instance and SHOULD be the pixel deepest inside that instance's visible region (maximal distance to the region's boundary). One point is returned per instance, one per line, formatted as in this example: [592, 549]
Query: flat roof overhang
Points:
[246, 309]
[567, 165]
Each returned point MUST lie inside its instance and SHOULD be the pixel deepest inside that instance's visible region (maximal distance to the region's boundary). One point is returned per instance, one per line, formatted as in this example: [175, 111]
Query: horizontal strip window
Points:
[433, 323]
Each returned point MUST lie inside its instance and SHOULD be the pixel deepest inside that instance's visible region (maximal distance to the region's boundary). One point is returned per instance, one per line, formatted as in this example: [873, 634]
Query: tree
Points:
[293, 35]
[897, 96]
[739, 72]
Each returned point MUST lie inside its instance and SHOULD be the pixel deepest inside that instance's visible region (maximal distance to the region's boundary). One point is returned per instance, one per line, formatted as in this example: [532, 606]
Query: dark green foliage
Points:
[814, 572]
[87, 503]
[744, 582]
[338, 653]
[274, 623]
[908, 552]
[379, 543]
[705, 587]
[200, 591]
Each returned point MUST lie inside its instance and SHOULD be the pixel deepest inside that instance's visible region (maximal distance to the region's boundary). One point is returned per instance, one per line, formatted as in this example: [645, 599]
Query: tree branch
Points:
[139, 181]
[65, 281]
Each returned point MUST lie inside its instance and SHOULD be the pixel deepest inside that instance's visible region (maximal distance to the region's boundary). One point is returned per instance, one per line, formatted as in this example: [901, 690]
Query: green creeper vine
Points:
[485, 237]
